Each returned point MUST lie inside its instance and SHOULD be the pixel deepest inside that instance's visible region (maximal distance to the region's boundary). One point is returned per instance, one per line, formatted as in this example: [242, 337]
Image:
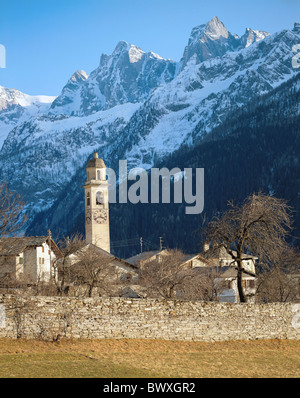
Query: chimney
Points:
[206, 247]
[95, 155]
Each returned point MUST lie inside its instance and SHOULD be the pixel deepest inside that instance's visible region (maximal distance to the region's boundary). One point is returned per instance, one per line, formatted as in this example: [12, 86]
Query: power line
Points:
[126, 240]
[142, 242]
[125, 245]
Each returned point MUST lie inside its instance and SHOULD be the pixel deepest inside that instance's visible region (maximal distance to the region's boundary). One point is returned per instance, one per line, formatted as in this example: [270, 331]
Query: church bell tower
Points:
[96, 204]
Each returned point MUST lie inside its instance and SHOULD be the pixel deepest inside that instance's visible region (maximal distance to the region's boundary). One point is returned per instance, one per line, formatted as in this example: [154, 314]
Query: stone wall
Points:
[51, 318]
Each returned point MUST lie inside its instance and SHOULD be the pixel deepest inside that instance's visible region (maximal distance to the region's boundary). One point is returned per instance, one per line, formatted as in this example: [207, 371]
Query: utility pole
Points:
[161, 240]
[141, 243]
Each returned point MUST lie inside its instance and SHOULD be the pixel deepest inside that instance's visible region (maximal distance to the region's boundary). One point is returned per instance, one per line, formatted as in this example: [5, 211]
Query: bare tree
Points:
[12, 213]
[279, 281]
[164, 276]
[68, 246]
[206, 284]
[94, 269]
[259, 226]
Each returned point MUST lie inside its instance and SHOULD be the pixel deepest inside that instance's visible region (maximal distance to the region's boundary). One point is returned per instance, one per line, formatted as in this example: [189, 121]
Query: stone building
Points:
[145, 257]
[220, 265]
[30, 258]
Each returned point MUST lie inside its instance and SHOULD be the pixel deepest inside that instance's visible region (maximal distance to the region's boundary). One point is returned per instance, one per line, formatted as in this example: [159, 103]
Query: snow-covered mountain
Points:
[200, 97]
[213, 40]
[137, 106]
[17, 107]
[127, 76]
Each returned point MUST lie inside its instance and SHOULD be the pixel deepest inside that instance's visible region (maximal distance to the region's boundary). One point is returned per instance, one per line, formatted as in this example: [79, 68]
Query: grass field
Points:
[149, 358]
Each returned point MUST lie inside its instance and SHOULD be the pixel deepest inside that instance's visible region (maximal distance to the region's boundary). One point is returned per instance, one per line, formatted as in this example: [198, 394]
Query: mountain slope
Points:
[17, 107]
[47, 151]
[200, 97]
[254, 149]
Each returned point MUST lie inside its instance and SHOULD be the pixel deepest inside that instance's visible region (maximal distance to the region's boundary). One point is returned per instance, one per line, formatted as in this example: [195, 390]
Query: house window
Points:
[43, 261]
[40, 260]
[98, 175]
[43, 249]
[88, 199]
[21, 260]
[252, 284]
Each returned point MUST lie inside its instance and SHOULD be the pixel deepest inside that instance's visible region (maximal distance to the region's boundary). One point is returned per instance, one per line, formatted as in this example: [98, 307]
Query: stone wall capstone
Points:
[51, 318]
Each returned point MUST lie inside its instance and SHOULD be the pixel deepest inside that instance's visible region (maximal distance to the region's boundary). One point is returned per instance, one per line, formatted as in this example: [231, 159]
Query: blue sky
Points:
[47, 40]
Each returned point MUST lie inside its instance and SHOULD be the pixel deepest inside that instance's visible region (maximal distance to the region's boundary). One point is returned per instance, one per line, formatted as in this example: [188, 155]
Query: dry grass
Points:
[149, 358]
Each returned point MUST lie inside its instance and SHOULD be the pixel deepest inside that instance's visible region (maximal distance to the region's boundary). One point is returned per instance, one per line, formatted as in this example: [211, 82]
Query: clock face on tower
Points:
[100, 216]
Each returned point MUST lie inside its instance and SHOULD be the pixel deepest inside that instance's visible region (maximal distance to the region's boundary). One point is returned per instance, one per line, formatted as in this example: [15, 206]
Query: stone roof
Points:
[112, 257]
[15, 246]
[134, 260]
[190, 257]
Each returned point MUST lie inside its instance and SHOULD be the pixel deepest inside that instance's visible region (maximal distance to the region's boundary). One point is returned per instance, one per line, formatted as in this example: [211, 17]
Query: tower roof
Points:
[96, 162]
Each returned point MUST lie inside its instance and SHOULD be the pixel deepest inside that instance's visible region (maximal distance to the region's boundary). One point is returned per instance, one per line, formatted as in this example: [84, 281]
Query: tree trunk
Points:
[242, 296]
[91, 287]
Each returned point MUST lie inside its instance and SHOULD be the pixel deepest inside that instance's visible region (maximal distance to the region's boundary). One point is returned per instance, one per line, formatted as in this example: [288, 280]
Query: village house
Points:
[226, 267]
[123, 270]
[146, 257]
[221, 265]
[28, 258]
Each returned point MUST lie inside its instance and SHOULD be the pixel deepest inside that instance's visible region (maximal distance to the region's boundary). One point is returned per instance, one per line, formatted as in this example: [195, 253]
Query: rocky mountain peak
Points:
[208, 41]
[213, 40]
[216, 29]
[79, 76]
[212, 30]
[121, 47]
[251, 36]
